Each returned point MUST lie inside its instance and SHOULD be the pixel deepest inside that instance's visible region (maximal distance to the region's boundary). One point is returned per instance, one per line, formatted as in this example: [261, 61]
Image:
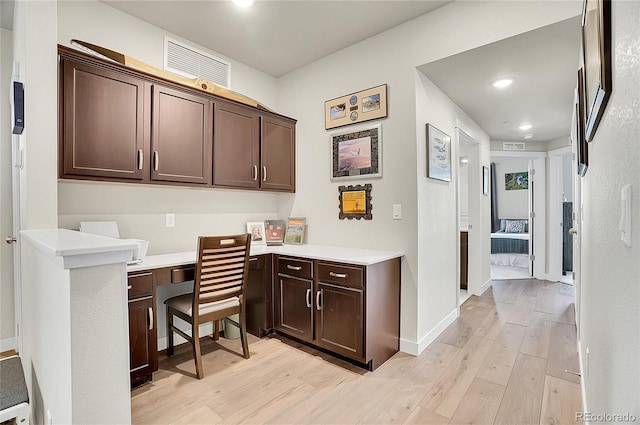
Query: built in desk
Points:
[342, 300]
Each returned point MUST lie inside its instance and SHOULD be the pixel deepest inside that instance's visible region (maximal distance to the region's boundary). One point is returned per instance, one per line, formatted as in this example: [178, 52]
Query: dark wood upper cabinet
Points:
[121, 124]
[181, 137]
[278, 154]
[236, 147]
[103, 127]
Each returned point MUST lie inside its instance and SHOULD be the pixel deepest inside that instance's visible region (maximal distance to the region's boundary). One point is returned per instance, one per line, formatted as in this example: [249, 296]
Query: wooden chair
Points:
[219, 286]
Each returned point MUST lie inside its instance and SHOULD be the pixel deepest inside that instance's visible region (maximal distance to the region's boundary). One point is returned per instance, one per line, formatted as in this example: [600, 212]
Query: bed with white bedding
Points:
[510, 245]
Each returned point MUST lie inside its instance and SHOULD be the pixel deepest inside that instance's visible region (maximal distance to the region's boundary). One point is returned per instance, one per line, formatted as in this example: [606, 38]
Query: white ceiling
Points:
[544, 63]
[276, 36]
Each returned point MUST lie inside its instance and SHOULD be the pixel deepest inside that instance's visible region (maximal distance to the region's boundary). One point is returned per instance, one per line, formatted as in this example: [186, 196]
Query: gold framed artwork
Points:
[357, 153]
[365, 105]
[596, 43]
[355, 202]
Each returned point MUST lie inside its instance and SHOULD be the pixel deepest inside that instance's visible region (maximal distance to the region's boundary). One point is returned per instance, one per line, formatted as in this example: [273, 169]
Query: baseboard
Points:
[485, 286]
[415, 349]
[8, 344]
[583, 384]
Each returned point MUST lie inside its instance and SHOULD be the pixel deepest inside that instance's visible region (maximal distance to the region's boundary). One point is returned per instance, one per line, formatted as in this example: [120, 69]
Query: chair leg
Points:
[243, 333]
[196, 351]
[169, 332]
[216, 330]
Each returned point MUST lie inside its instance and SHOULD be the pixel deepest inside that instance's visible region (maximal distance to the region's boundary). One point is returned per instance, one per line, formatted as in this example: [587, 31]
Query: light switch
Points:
[397, 211]
[625, 215]
[170, 220]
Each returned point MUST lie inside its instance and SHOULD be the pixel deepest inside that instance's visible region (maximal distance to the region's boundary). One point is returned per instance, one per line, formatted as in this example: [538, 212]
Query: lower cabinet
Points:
[259, 296]
[350, 310]
[143, 344]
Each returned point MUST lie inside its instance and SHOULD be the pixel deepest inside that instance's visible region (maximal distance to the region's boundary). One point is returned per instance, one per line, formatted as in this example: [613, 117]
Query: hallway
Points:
[502, 361]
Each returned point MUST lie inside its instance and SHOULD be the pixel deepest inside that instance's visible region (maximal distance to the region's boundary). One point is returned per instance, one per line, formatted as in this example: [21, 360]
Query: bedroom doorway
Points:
[518, 233]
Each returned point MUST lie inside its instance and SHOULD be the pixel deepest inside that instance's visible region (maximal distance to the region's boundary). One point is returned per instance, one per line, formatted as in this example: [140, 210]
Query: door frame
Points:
[555, 212]
[538, 233]
[474, 267]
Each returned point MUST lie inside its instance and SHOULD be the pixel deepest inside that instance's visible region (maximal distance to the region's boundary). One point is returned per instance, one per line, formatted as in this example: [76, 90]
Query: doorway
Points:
[518, 239]
[469, 193]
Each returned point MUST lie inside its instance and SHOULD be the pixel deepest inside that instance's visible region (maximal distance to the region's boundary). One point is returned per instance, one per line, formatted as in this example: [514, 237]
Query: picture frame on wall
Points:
[355, 202]
[485, 180]
[438, 154]
[596, 43]
[365, 105]
[256, 230]
[357, 153]
[582, 148]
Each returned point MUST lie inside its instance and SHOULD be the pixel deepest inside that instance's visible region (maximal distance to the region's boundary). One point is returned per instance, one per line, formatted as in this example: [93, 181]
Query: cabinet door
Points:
[181, 137]
[278, 171]
[258, 296]
[236, 147]
[340, 321]
[103, 117]
[142, 339]
[293, 307]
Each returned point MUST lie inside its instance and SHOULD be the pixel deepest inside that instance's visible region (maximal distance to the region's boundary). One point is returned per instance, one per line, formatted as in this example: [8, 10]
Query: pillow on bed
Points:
[515, 226]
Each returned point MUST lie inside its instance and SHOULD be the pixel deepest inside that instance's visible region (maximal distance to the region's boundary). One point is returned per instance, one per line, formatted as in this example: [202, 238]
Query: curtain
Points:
[495, 218]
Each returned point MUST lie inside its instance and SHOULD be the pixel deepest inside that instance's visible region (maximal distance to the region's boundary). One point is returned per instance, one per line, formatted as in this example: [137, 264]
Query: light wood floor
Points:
[502, 362]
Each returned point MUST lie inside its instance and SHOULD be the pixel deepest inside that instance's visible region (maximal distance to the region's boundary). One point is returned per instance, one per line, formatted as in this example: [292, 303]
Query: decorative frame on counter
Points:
[294, 233]
[438, 154]
[355, 202]
[357, 153]
[256, 230]
[596, 42]
[365, 105]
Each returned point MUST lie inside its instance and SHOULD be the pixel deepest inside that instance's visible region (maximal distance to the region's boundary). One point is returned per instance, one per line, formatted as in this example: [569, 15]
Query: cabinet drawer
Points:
[140, 285]
[256, 263]
[183, 274]
[341, 274]
[295, 267]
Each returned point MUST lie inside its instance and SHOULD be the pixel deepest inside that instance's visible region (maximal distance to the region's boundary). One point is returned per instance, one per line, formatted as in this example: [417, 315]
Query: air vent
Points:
[184, 60]
[513, 146]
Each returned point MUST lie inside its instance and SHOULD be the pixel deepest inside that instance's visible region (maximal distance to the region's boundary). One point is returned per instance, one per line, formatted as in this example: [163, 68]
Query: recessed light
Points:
[503, 83]
[243, 3]
[527, 136]
[525, 127]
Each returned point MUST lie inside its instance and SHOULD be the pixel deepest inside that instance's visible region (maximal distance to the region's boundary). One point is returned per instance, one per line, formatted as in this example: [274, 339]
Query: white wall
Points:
[429, 215]
[7, 311]
[610, 317]
[511, 203]
[140, 209]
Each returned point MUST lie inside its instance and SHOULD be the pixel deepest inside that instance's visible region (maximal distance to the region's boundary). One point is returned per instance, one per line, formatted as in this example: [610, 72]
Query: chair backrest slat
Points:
[222, 268]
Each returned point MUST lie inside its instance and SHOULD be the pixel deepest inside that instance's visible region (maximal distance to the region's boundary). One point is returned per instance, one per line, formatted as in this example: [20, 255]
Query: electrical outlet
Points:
[170, 220]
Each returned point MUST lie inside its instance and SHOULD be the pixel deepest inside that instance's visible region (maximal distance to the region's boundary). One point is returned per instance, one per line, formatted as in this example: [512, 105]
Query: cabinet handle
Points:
[264, 173]
[296, 268]
[318, 294]
[255, 173]
[156, 160]
[253, 259]
[140, 159]
[128, 287]
[150, 319]
[308, 298]
[340, 275]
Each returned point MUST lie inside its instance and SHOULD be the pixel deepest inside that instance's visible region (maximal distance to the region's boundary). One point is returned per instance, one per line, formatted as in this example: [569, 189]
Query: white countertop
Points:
[73, 249]
[318, 252]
